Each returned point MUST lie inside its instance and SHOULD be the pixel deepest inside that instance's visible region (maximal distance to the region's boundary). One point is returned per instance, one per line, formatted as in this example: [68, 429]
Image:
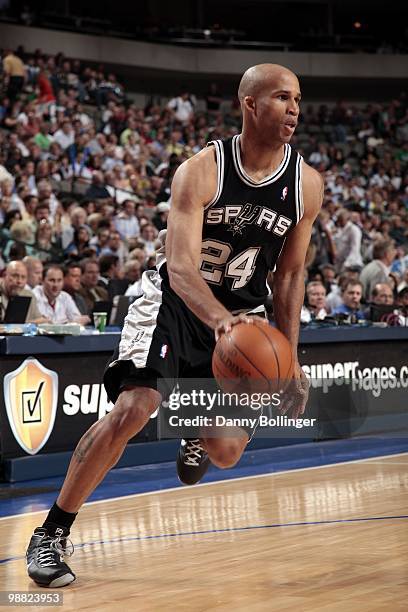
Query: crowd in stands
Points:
[85, 178]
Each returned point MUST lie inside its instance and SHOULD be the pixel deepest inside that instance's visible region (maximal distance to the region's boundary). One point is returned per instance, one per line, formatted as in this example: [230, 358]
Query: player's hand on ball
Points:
[295, 399]
[225, 326]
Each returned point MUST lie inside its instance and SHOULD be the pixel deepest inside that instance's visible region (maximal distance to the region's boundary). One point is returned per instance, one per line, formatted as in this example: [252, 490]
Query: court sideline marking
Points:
[215, 482]
[224, 530]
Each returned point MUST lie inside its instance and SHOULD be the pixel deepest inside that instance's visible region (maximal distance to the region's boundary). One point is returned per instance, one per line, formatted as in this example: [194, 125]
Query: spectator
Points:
[80, 247]
[101, 240]
[72, 286]
[347, 242]
[13, 283]
[97, 191]
[351, 297]
[149, 235]
[65, 136]
[133, 273]
[76, 219]
[382, 295]
[14, 72]
[160, 218]
[44, 247]
[126, 221]
[34, 268]
[182, 107]
[378, 270]
[115, 247]
[315, 307]
[91, 291]
[109, 268]
[329, 276]
[54, 303]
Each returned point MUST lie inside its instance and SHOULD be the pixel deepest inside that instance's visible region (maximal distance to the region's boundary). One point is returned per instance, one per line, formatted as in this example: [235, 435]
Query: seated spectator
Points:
[77, 217]
[101, 240]
[115, 247]
[402, 307]
[97, 191]
[13, 283]
[112, 275]
[160, 218]
[315, 307]
[65, 136]
[378, 270]
[126, 221]
[72, 285]
[34, 267]
[381, 295]
[54, 303]
[329, 276]
[21, 232]
[44, 247]
[133, 273]
[91, 291]
[149, 235]
[351, 297]
[80, 247]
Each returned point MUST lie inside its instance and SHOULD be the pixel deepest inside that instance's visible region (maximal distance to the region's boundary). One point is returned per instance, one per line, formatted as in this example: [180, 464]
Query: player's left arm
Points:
[289, 278]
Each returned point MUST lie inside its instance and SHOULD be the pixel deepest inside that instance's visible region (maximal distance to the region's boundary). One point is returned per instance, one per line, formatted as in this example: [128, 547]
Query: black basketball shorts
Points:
[161, 339]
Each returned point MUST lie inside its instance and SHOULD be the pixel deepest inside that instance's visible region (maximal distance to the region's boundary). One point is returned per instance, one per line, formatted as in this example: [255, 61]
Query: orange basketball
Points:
[252, 356]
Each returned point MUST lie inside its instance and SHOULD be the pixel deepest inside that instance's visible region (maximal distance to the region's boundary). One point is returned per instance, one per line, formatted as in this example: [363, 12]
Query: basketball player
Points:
[239, 207]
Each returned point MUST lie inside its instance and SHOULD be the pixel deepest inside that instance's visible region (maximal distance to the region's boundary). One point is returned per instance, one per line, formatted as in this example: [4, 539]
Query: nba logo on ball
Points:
[163, 351]
[284, 193]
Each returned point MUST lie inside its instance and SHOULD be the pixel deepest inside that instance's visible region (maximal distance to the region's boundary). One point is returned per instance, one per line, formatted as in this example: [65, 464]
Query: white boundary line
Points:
[215, 482]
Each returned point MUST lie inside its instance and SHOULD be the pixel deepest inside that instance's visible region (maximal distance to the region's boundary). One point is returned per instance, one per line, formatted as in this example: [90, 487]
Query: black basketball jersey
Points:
[246, 225]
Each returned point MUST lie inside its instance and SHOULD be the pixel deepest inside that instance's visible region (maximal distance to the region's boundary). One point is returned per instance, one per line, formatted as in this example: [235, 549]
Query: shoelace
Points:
[193, 452]
[49, 546]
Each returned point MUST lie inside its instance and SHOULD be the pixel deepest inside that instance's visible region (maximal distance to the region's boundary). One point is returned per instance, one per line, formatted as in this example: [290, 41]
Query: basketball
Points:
[252, 356]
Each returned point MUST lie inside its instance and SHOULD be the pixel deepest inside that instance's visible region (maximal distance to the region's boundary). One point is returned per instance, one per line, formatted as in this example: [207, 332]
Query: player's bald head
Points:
[259, 78]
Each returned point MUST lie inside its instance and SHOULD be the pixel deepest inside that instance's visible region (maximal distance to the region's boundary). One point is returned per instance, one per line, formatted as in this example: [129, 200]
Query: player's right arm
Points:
[193, 187]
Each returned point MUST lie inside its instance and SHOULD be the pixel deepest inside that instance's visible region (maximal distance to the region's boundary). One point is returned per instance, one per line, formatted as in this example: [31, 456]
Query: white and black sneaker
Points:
[45, 558]
[192, 461]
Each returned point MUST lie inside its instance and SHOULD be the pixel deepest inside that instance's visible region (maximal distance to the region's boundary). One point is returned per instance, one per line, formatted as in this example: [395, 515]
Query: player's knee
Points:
[132, 410]
[225, 454]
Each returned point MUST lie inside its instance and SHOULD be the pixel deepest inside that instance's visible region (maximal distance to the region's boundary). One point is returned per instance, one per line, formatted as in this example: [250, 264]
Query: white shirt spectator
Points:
[128, 227]
[63, 311]
[64, 140]
[348, 245]
[5, 175]
[379, 180]
[183, 109]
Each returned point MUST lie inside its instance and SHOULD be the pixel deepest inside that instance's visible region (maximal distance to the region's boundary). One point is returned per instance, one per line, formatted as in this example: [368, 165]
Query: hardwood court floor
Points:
[324, 539]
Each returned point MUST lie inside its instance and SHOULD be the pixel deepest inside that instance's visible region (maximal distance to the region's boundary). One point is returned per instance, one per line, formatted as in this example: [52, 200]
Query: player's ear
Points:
[249, 102]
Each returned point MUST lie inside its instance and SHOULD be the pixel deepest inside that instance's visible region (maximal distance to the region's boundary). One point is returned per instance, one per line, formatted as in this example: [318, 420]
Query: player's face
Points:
[278, 109]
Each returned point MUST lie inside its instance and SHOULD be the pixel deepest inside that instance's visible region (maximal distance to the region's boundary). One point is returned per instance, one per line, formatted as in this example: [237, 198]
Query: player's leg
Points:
[101, 447]
[225, 451]
[196, 454]
[98, 450]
